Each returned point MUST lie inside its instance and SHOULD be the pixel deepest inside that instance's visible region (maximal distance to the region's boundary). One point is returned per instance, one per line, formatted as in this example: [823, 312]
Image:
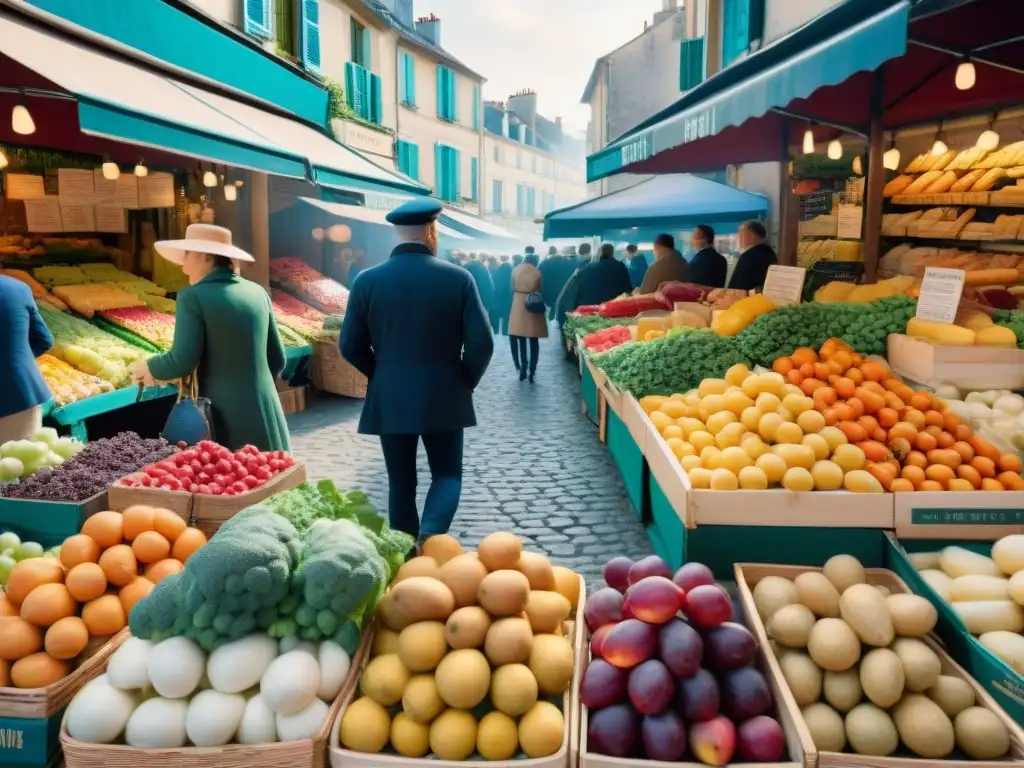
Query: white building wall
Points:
[224, 11]
[783, 16]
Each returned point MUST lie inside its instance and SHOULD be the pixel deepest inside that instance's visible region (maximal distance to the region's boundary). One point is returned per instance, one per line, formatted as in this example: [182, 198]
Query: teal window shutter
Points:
[743, 23]
[257, 17]
[376, 113]
[446, 94]
[476, 107]
[439, 171]
[453, 97]
[497, 192]
[691, 63]
[442, 82]
[456, 174]
[414, 162]
[367, 48]
[407, 70]
[311, 35]
[474, 165]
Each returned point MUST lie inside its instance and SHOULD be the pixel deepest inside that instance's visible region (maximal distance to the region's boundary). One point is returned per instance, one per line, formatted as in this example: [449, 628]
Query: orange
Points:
[985, 466]
[105, 528]
[1009, 462]
[915, 475]
[803, 355]
[931, 485]
[845, 388]
[900, 485]
[916, 459]
[939, 473]
[988, 484]
[782, 365]
[970, 474]
[807, 370]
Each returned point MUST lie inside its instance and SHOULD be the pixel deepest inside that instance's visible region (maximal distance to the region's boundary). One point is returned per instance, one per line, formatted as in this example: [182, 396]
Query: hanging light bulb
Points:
[966, 76]
[891, 159]
[3, 160]
[808, 142]
[110, 169]
[21, 119]
[141, 169]
[318, 233]
[989, 139]
[230, 192]
[858, 166]
[209, 179]
[835, 149]
[939, 148]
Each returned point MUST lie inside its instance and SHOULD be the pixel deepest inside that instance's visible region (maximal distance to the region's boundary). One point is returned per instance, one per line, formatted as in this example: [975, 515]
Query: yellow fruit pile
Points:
[52, 608]
[754, 431]
[472, 647]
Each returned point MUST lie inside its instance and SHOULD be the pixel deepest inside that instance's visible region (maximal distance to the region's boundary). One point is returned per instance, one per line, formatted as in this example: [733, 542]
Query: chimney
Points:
[558, 124]
[430, 28]
[524, 105]
[669, 8]
[401, 10]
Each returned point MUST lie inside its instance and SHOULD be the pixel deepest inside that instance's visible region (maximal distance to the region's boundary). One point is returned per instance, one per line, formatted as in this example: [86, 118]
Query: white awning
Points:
[474, 226]
[368, 215]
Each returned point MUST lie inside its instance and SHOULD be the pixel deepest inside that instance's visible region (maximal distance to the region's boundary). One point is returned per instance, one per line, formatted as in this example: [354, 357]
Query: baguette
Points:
[922, 182]
[914, 166]
[942, 161]
[932, 214]
[941, 184]
[991, 277]
[1004, 260]
[897, 186]
[967, 181]
[966, 159]
[986, 182]
[963, 221]
[1016, 172]
[1001, 157]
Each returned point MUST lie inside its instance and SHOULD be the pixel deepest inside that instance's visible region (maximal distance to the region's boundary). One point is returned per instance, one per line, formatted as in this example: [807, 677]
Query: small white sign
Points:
[78, 217]
[128, 190]
[24, 186]
[156, 190]
[851, 222]
[42, 215]
[76, 185]
[940, 294]
[785, 285]
[111, 218]
[105, 189]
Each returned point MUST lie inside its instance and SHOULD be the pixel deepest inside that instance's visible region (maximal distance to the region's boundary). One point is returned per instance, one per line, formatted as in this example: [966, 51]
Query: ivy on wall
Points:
[37, 161]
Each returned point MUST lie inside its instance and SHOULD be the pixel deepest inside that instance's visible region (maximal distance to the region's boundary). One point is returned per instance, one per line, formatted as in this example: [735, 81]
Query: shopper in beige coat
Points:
[524, 324]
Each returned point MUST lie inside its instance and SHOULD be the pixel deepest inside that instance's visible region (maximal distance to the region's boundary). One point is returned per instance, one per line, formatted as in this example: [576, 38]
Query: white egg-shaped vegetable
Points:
[1009, 404]
[292, 643]
[157, 724]
[128, 667]
[1008, 553]
[239, 665]
[99, 712]
[176, 667]
[258, 725]
[291, 682]
[334, 666]
[213, 718]
[304, 724]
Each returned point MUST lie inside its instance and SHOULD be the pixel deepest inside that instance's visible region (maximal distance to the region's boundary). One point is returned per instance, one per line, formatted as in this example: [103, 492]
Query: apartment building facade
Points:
[532, 167]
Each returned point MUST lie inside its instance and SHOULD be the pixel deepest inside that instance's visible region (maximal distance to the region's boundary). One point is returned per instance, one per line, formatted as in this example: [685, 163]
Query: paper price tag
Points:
[851, 222]
[785, 285]
[940, 294]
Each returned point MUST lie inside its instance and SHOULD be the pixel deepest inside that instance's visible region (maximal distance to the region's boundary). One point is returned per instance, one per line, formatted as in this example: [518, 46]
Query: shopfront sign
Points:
[368, 140]
[941, 289]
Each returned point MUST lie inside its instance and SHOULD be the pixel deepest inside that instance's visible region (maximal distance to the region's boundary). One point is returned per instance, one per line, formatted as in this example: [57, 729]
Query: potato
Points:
[826, 726]
[990, 616]
[791, 625]
[771, 593]
[883, 590]
[871, 731]
[921, 666]
[912, 615]
[938, 581]
[844, 571]
[923, 560]
[817, 593]
[865, 610]
[1008, 646]
[981, 734]
[923, 727]
[957, 561]
[881, 677]
[972, 588]
[1008, 553]
[833, 645]
[1016, 587]
[952, 694]
[802, 675]
[842, 689]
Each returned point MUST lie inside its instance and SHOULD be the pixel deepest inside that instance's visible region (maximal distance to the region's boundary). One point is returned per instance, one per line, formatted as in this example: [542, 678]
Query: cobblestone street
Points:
[533, 465]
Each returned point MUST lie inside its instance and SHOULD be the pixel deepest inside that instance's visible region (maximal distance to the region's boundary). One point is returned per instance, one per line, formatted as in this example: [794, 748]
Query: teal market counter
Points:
[297, 361]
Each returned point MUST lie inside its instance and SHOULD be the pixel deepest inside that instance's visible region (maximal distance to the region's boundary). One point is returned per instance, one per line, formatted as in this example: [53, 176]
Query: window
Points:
[531, 201]
[447, 100]
[742, 23]
[408, 158]
[446, 172]
[526, 200]
[258, 20]
[407, 78]
[497, 192]
[691, 63]
[364, 92]
[361, 50]
[476, 107]
[474, 176]
[285, 27]
[533, 163]
[497, 154]
[293, 24]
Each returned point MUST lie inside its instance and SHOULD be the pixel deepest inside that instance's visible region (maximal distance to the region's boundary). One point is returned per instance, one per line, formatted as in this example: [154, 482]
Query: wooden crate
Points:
[747, 577]
[49, 522]
[798, 738]
[565, 757]
[211, 512]
[120, 497]
[293, 399]
[964, 367]
[305, 753]
[36, 703]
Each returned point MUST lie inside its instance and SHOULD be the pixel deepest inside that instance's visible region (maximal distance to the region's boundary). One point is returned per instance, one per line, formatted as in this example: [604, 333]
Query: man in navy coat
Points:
[23, 337]
[416, 328]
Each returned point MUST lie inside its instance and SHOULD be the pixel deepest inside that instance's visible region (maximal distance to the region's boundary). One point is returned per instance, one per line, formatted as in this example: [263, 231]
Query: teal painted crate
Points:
[997, 677]
[30, 742]
[666, 530]
[722, 546]
[588, 391]
[48, 522]
[630, 461]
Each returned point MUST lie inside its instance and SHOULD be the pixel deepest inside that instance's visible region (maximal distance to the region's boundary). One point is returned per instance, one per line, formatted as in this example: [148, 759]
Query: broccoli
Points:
[155, 616]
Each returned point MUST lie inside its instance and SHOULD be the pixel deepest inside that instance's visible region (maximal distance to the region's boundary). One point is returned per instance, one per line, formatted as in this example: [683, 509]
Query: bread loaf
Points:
[942, 161]
[897, 185]
[914, 166]
[963, 221]
[922, 182]
[1016, 172]
[968, 180]
[941, 184]
[1002, 158]
[966, 159]
[986, 182]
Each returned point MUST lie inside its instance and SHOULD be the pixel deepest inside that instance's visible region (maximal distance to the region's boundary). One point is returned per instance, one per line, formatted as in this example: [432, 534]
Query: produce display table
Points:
[48, 522]
[74, 415]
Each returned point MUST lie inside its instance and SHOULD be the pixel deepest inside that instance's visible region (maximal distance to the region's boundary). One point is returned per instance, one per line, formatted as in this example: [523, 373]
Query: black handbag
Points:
[191, 417]
[535, 304]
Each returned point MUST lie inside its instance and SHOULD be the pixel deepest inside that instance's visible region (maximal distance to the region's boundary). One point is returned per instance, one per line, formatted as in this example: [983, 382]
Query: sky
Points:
[547, 45]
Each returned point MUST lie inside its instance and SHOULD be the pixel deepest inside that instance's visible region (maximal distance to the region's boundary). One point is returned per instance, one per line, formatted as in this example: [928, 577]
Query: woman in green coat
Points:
[225, 331]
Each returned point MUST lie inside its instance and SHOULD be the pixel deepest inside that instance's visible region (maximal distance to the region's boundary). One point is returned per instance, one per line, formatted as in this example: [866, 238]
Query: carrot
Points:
[966, 452]
[1009, 462]
[1011, 481]
[883, 474]
[985, 466]
[854, 432]
[946, 457]
[983, 447]
[873, 451]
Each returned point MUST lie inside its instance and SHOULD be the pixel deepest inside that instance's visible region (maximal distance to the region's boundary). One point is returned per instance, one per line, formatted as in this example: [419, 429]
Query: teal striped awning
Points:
[124, 101]
[853, 37]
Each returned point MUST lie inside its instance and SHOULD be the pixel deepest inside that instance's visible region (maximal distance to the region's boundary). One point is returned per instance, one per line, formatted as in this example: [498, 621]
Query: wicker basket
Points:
[37, 703]
[747, 577]
[211, 512]
[332, 373]
[306, 753]
[565, 757]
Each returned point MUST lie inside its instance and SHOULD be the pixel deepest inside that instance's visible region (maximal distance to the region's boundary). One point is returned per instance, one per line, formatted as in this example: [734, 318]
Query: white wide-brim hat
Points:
[201, 238]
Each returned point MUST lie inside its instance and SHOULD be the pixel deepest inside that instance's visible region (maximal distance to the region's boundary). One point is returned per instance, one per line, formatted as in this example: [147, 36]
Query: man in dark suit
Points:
[637, 265]
[477, 267]
[755, 257]
[602, 280]
[708, 267]
[503, 293]
[23, 337]
[669, 265]
[416, 328]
